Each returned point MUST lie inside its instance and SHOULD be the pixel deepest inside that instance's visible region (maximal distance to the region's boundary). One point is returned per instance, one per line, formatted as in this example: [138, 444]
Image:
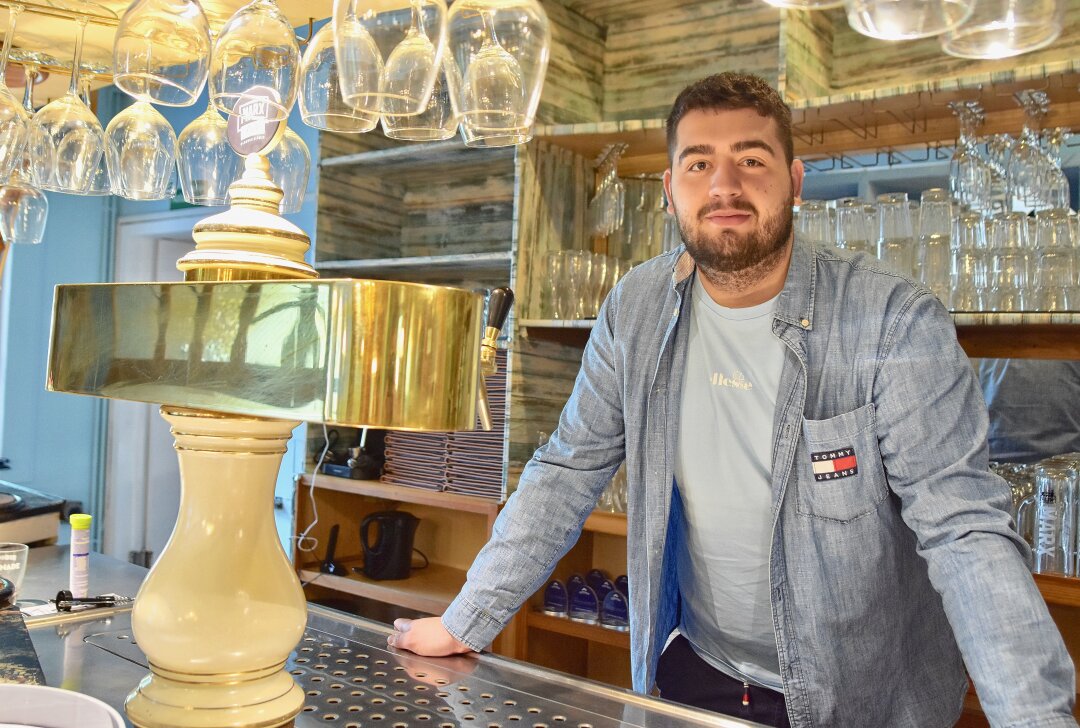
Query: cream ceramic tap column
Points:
[222, 608]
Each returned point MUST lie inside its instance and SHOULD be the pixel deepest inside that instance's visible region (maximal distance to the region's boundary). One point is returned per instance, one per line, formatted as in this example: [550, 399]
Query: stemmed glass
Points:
[436, 122]
[969, 175]
[206, 161]
[1055, 184]
[256, 47]
[101, 185]
[14, 121]
[141, 153]
[322, 105]
[366, 32]
[1026, 160]
[501, 50]
[23, 208]
[290, 164]
[161, 51]
[70, 129]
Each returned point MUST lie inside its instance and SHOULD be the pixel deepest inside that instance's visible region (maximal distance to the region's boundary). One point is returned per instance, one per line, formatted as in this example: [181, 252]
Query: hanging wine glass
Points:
[501, 53]
[161, 51]
[71, 129]
[100, 186]
[256, 47]
[14, 121]
[436, 122]
[206, 160]
[321, 103]
[290, 165]
[409, 34]
[23, 208]
[906, 19]
[141, 153]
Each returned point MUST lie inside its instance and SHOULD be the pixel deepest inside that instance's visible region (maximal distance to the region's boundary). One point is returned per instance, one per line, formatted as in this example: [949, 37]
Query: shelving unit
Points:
[428, 590]
[384, 208]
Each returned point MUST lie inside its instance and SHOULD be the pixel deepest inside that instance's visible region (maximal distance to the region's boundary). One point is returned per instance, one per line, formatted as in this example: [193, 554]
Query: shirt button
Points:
[805, 323]
[675, 313]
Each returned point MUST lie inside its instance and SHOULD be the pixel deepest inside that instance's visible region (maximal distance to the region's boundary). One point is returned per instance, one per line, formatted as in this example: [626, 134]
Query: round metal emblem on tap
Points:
[251, 129]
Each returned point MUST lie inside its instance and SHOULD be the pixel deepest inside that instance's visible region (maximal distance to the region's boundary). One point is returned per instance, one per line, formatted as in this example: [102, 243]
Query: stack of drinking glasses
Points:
[607, 208]
[577, 283]
[1045, 510]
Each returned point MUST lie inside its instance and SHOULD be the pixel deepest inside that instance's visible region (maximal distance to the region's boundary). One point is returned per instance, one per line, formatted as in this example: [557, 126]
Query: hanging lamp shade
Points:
[906, 19]
[388, 53]
[161, 52]
[805, 4]
[500, 51]
[256, 47]
[1005, 28]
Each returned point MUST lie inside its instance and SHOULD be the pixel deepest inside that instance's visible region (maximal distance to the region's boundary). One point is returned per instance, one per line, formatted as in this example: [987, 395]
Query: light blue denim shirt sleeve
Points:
[558, 489]
[937, 465]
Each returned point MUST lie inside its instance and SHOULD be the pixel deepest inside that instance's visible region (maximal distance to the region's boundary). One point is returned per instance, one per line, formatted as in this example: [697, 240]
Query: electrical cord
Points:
[303, 537]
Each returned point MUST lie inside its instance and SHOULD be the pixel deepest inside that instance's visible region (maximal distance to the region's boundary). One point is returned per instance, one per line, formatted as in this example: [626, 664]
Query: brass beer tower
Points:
[249, 345]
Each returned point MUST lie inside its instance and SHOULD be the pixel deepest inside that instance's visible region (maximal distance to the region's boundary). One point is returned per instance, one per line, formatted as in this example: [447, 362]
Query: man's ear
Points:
[667, 191]
[798, 172]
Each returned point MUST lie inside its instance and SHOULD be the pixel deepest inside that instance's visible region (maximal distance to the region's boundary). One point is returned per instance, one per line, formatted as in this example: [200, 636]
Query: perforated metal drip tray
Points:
[352, 681]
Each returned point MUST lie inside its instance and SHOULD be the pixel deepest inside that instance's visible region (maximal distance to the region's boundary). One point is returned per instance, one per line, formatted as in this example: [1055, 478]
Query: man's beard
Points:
[734, 255]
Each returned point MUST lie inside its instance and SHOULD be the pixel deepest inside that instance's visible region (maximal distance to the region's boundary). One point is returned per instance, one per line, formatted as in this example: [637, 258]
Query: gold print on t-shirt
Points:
[735, 381]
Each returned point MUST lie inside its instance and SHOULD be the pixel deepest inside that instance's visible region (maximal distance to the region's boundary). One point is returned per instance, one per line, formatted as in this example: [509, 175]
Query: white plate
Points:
[37, 706]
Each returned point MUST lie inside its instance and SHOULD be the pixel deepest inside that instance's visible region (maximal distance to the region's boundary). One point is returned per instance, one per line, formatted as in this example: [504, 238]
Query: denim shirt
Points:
[884, 583]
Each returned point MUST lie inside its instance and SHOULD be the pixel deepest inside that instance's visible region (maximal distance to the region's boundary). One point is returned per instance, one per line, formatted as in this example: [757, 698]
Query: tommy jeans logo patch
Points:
[833, 464]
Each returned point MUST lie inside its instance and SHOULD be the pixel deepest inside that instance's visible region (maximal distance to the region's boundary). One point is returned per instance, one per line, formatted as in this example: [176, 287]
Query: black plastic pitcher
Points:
[390, 555]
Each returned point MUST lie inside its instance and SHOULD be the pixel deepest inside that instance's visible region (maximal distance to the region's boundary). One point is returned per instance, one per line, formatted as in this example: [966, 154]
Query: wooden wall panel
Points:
[806, 54]
[573, 85]
[864, 63]
[649, 58]
[541, 380]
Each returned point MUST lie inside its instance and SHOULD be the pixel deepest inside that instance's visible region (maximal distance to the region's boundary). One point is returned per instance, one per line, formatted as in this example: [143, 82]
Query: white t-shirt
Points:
[723, 470]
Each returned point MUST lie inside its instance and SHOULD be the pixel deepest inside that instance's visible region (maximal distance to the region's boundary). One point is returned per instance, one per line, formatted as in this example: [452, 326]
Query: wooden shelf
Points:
[418, 266]
[563, 626]
[613, 524]
[1062, 591]
[408, 159]
[844, 124]
[403, 494]
[429, 590]
[1032, 335]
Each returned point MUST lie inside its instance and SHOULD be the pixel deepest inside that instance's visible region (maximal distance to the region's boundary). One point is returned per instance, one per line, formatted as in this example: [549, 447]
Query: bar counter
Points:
[350, 677]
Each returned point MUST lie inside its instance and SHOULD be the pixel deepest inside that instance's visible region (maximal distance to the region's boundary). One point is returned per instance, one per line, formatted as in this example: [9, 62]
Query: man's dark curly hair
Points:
[730, 90]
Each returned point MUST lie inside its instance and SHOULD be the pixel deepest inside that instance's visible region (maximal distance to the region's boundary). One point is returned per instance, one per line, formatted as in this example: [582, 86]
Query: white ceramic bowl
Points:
[37, 706]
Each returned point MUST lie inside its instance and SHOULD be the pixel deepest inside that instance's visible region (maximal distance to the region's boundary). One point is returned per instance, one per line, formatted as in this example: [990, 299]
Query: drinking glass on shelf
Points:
[598, 273]
[935, 241]
[322, 105]
[815, 227]
[67, 141]
[852, 231]
[161, 51]
[1008, 281]
[1055, 517]
[1053, 229]
[14, 119]
[968, 278]
[256, 47]
[896, 238]
[555, 285]
[1055, 184]
[290, 165]
[141, 153]
[206, 161]
[578, 272]
[1055, 280]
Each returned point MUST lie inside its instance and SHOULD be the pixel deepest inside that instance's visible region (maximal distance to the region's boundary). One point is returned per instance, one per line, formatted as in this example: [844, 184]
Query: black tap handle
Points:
[499, 302]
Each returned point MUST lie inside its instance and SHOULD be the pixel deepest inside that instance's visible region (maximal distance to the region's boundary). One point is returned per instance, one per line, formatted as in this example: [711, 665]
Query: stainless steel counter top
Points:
[351, 678]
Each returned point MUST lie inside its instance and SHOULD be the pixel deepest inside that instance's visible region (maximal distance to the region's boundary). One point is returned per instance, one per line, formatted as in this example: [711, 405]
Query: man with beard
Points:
[814, 538]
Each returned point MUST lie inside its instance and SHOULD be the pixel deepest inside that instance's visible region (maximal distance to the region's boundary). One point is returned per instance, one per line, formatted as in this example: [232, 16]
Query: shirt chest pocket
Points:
[840, 473]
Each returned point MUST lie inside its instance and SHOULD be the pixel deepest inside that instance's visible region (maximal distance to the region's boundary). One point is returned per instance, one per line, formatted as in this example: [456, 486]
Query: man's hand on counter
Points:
[427, 637]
